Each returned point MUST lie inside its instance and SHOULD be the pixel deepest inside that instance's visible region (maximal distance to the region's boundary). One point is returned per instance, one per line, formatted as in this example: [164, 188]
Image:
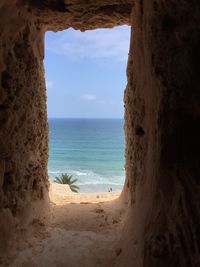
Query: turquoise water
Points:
[92, 150]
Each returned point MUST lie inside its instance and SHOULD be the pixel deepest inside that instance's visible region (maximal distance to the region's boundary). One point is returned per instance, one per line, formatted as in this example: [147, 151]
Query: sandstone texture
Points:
[161, 211]
[23, 121]
[81, 15]
[162, 121]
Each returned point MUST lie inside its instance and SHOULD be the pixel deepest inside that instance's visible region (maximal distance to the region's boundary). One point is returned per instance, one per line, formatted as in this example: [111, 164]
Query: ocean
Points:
[92, 150]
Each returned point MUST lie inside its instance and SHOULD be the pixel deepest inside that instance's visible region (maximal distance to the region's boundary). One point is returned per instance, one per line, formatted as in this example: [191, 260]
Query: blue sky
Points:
[86, 72]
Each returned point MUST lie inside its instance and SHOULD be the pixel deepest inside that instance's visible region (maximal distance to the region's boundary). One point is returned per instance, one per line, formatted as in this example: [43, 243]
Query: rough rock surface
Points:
[162, 118]
[82, 15]
[161, 226]
[23, 120]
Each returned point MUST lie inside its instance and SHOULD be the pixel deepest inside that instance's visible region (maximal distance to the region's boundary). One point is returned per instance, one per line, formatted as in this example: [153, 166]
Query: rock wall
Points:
[162, 132]
[81, 15]
[162, 222]
[23, 121]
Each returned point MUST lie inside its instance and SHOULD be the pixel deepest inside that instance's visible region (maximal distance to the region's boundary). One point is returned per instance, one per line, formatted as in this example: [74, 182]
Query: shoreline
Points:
[90, 188]
[60, 193]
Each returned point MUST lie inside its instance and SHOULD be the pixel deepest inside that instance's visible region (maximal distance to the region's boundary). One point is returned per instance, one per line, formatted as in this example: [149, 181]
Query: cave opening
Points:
[158, 224]
[85, 76]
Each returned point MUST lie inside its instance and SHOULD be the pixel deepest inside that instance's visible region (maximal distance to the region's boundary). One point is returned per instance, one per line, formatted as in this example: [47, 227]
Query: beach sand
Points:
[60, 194]
[82, 230]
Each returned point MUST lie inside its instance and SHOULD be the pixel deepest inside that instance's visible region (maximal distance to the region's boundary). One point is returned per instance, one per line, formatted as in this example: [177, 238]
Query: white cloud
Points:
[89, 97]
[98, 44]
[49, 84]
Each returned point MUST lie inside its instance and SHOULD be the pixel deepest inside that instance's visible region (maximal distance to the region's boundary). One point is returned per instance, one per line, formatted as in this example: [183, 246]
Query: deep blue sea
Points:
[92, 150]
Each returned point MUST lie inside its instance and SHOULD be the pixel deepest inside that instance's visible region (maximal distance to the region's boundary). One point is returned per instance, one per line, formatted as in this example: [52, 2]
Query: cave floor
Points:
[76, 234]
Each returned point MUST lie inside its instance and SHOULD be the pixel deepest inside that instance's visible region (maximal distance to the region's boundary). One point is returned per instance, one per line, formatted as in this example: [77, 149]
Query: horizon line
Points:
[89, 118]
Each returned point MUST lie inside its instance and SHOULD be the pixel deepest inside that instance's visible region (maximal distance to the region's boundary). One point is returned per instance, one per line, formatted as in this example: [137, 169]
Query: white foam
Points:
[78, 173]
[89, 177]
[54, 172]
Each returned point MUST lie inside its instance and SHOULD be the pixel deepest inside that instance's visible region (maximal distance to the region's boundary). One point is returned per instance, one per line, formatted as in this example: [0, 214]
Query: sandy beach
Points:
[78, 224]
[61, 193]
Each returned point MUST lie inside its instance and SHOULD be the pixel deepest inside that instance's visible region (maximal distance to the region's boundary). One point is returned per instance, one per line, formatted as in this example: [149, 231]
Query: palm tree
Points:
[65, 178]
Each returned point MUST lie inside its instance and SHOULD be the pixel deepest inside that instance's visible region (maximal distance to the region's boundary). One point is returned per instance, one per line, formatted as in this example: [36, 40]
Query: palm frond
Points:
[65, 178]
[74, 181]
[58, 180]
[74, 188]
